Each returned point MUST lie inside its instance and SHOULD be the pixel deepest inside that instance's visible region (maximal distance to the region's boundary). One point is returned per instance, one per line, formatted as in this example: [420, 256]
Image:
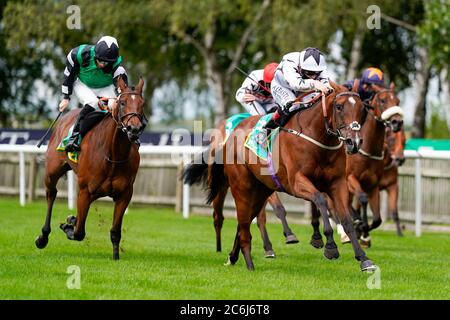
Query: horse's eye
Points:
[383, 101]
[122, 104]
[339, 107]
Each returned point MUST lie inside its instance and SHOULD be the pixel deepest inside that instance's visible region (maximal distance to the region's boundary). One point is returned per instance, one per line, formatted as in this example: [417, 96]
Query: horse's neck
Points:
[312, 123]
[119, 146]
[372, 131]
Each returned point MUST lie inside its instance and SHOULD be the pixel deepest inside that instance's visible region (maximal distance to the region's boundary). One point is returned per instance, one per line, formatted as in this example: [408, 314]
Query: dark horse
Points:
[365, 169]
[310, 160]
[107, 164]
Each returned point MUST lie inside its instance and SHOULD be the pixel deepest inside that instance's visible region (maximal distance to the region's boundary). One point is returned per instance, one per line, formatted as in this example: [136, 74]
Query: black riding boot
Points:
[72, 144]
[280, 118]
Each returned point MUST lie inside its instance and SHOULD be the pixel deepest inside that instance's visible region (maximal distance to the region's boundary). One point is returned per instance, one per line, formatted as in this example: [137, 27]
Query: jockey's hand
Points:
[63, 104]
[323, 87]
[249, 97]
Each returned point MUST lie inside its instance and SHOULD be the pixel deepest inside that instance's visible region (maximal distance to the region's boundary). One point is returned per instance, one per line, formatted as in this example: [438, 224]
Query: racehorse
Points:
[217, 140]
[310, 160]
[395, 142]
[366, 168]
[107, 164]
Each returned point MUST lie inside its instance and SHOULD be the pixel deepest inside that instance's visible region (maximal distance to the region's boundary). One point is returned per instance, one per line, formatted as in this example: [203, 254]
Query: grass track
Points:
[167, 257]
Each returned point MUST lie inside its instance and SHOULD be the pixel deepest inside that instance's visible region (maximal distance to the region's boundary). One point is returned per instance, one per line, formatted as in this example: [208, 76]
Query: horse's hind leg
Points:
[218, 216]
[52, 175]
[120, 206]
[261, 221]
[365, 237]
[316, 238]
[393, 208]
[280, 211]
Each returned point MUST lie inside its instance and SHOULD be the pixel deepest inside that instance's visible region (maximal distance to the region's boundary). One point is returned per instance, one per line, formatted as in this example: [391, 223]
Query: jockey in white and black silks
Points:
[91, 72]
[254, 94]
[297, 72]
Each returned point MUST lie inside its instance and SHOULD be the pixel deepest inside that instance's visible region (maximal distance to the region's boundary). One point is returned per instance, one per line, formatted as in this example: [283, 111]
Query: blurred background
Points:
[187, 51]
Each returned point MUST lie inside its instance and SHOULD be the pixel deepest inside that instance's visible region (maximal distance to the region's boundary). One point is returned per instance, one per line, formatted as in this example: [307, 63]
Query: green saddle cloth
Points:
[73, 156]
[258, 142]
[232, 122]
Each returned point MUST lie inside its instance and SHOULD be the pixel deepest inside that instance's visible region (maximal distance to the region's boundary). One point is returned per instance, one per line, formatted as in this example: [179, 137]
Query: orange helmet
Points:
[269, 71]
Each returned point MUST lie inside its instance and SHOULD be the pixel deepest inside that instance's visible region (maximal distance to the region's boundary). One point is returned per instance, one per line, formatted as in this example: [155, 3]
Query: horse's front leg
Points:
[339, 195]
[74, 228]
[280, 211]
[303, 188]
[121, 204]
[261, 220]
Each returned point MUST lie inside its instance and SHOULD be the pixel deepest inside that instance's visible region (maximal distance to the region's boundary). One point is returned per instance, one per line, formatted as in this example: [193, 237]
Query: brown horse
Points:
[217, 140]
[107, 164]
[310, 160]
[365, 169]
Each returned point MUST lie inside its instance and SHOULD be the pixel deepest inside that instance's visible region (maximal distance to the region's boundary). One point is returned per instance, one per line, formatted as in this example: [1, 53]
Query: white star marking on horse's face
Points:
[133, 96]
[109, 41]
[352, 100]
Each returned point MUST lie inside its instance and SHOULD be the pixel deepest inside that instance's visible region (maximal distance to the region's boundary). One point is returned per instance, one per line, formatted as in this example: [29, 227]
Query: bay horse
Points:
[395, 142]
[217, 140]
[107, 164]
[366, 168]
[306, 167]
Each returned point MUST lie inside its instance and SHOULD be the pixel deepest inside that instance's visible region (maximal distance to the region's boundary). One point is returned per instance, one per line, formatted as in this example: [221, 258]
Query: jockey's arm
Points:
[70, 73]
[247, 88]
[293, 77]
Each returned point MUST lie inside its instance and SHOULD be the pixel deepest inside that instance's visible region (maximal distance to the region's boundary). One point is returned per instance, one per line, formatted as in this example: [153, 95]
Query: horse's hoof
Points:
[316, 243]
[41, 242]
[331, 254]
[72, 220]
[269, 254]
[228, 263]
[368, 266]
[291, 239]
[115, 256]
[68, 230]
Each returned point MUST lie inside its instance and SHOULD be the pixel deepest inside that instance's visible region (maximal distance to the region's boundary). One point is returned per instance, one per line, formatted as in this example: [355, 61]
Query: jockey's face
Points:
[101, 64]
[311, 74]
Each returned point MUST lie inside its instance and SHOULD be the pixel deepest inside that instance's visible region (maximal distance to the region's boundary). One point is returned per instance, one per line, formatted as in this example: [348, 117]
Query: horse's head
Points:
[129, 110]
[396, 145]
[385, 106]
[348, 116]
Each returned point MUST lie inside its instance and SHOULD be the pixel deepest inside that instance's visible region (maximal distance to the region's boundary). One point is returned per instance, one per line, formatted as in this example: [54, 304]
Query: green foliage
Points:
[437, 126]
[434, 33]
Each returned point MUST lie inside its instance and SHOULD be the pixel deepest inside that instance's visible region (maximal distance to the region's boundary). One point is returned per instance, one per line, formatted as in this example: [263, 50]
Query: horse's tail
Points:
[209, 173]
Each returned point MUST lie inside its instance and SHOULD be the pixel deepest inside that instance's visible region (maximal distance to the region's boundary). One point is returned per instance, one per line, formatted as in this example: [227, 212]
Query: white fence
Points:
[184, 154]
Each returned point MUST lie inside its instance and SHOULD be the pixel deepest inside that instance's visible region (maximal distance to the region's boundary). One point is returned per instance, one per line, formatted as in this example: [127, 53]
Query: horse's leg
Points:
[280, 211]
[392, 191]
[316, 238]
[374, 201]
[339, 195]
[234, 253]
[120, 206]
[74, 228]
[361, 223]
[218, 217]
[303, 188]
[261, 222]
[53, 172]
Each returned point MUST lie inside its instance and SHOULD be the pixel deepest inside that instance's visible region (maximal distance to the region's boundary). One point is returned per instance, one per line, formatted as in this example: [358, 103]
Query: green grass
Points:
[167, 257]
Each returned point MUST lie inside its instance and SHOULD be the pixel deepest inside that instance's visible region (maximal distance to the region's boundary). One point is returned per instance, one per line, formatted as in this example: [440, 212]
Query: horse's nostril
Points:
[349, 142]
[129, 128]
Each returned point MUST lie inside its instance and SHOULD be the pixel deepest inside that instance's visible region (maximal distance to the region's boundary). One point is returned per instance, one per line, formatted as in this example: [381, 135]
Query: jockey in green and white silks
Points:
[297, 72]
[91, 72]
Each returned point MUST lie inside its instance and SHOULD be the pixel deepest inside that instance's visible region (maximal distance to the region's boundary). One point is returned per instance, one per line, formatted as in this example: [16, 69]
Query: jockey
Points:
[254, 94]
[91, 72]
[297, 72]
[371, 76]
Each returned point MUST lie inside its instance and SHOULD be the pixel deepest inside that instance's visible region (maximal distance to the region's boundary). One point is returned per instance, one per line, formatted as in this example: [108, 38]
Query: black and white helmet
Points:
[107, 49]
[311, 59]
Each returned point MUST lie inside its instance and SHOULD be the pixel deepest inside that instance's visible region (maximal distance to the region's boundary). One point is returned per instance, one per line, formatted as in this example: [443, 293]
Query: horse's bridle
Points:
[354, 126]
[370, 107]
[120, 118]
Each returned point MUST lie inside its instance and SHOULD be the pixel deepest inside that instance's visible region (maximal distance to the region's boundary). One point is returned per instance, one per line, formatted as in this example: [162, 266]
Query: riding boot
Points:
[279, 118]
[72, 144]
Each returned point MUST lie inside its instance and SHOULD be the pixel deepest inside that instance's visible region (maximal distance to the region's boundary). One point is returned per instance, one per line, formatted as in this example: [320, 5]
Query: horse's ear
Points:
[140, 85]
[336, 87]
[392, 86]
[121, 84]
